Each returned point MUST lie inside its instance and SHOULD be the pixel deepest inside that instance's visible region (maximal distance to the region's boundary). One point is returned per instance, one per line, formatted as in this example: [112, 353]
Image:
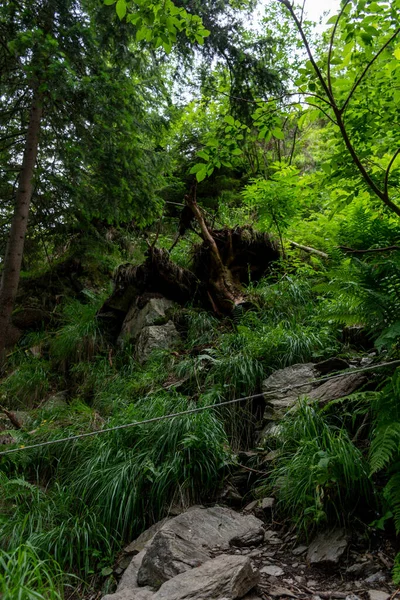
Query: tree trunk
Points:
[15, 246]
[225, 291]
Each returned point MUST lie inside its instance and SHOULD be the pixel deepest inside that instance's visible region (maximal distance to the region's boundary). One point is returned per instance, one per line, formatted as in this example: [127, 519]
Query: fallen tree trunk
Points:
[222, 265]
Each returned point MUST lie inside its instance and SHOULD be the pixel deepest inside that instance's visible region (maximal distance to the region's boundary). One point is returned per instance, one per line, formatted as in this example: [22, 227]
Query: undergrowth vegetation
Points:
[275, 244]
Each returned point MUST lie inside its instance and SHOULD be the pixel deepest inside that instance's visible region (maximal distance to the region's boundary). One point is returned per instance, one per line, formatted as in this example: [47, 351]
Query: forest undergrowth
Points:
[250, 175]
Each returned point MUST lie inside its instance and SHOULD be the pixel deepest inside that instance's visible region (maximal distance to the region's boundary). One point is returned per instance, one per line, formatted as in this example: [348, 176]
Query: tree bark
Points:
[225, 292]
[15, 246]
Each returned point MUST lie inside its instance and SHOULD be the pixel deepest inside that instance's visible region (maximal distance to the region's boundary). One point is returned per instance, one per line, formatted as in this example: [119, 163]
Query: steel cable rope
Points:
[200, 409]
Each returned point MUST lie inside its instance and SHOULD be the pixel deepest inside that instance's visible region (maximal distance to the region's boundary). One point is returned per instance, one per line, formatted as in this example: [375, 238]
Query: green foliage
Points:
[28, 382]
[80, 337]
[385, 445]
[54, 523]
[27, 576]
[273, 199]
[160, 22]
[366, 292]
[138, 473]
[320, 475]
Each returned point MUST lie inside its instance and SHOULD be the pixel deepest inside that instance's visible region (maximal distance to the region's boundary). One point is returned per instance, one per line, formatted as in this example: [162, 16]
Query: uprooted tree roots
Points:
[222, 264]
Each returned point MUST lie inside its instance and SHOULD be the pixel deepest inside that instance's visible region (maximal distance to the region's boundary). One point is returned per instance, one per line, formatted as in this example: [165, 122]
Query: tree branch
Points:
[309, 249]
[12, 417]
[331, 44]
[324, 112]
[369, 251]
[395, 155]
[368, 66]
[308, 49]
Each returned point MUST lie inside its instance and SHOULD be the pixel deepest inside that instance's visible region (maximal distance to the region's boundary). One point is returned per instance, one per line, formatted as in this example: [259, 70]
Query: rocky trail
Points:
[216, 553]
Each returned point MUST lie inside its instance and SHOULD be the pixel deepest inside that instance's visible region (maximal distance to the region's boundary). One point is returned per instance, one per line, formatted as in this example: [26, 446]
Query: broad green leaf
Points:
[121, 9]
[196, 168]
[230, 120]
[200, 175]
[278, 133]
[203, 154]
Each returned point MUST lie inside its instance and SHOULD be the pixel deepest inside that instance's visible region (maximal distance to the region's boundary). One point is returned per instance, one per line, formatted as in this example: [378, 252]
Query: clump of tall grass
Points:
[320, 475]
[202, 328]
[136, 474]
[80, 337]
[54, 522]
[28, 382]
[28, 576]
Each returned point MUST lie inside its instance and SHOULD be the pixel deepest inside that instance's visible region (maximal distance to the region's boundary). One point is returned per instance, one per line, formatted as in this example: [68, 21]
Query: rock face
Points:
[138, 318]
[338, 388]
[284, 387]
[175, 556]
[278, 402]
[185, 541]
[149, 328]
[225, 577]
[156, 337]
[328, 547]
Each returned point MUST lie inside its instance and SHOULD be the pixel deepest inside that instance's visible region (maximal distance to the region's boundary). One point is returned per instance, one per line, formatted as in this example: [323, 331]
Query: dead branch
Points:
[309, 249]
[12, 417]
[369, 251]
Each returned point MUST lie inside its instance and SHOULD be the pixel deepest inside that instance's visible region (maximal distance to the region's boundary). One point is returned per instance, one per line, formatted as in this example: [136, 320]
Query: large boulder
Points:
[284, 387]
[338, 387]
[225, 577]
[156, 337]
[277, 388]
[187, 540]
[154, 311]
[128, 588]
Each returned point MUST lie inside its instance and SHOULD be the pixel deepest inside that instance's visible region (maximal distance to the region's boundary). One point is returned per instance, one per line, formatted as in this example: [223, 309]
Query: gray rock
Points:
[278, 402]
[328, 547]
[379, 577]
[225, 577]
[378, 595]
[267, 503]
[128, 588]
[167, 556]
[271, 430]
[156, 337]
[253, 537]
[338, 387]
[23, 416]
[272, 570]
[299, 550]
[270, 537]
[362, 568]
[152, 313]
[251, 506]
[58, 400]
[144, 538]
[186, 541]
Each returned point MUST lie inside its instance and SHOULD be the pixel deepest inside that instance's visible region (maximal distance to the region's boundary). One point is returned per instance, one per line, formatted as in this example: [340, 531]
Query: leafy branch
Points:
[326, 85]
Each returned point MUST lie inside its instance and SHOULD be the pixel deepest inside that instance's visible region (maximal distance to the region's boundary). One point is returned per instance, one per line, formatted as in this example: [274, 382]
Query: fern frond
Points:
[392, 495]
[384, 447]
